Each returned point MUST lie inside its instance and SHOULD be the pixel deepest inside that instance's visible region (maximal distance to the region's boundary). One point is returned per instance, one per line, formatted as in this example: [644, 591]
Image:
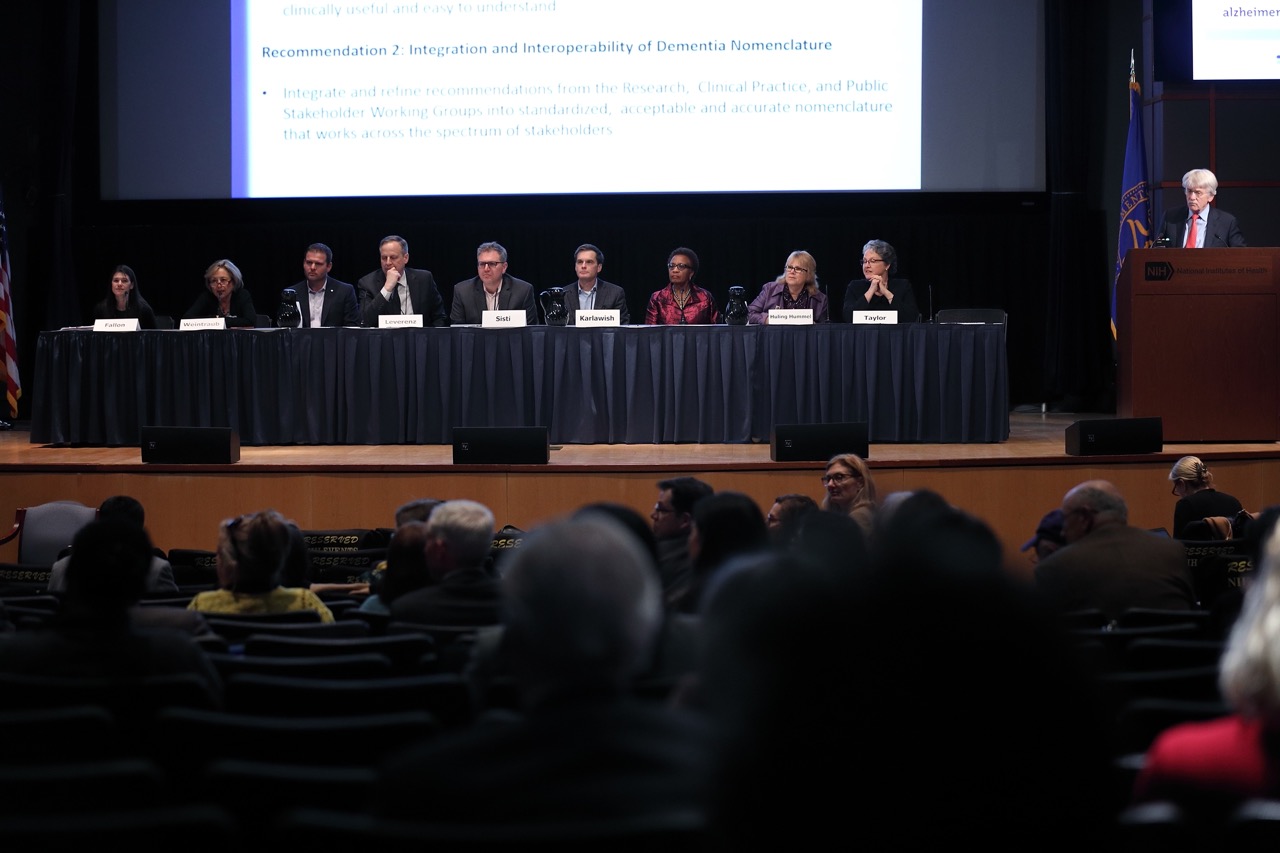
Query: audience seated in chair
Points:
[1210, 767]
[582, 612]
[406, 568]
[123, 509]
[252, 553]
[923, 703]
[459, 536]
[93, 635]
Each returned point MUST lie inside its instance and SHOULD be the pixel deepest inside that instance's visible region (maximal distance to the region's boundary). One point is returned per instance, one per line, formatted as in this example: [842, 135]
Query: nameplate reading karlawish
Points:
[596, 319]
[790, 317]
[399, 321]
[513, 319]
[199, 324]
[875, 316]
[129, 325]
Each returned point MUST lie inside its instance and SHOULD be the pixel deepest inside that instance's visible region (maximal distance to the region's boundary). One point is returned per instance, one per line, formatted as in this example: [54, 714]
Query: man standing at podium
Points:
[1200, 226]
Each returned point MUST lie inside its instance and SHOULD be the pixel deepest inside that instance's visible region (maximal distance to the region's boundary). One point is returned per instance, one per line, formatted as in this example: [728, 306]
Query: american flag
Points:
[8, 334]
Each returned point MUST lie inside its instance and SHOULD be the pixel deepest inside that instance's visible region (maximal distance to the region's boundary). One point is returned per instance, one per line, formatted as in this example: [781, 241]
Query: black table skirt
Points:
[633, 385]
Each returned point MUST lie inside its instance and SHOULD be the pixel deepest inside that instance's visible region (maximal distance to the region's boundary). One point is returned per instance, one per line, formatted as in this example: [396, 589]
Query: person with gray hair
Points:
[1197, 224]
[581, 614]
[1223, 762]
[224, 295]
[1197, 498]
[459, 537]
[1108, 565]
[492, 289]
[879, 289]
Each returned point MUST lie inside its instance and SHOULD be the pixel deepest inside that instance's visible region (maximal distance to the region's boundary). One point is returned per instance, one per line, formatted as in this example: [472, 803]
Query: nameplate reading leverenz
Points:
[399, 321]
[597, 319]
[790, 317]
[129, 325]
[512, 319]
[201, 323]
[875, 317]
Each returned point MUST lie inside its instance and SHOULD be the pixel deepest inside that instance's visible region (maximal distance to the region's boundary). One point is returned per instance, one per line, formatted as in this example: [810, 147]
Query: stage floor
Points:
[1010, 484]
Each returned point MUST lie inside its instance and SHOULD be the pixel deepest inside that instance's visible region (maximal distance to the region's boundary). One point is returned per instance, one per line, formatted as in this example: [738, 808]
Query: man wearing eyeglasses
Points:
[1108, 565]
[1199, 225]
[672, 518]
[491, 290]
[397, 289]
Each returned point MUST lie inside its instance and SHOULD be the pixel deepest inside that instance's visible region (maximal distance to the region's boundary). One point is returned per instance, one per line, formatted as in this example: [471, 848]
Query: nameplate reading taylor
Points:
[790, 317]
[130, 325]
[202, 323]
[597, 319]
[399, 321]
[512, 319]
[875, 316]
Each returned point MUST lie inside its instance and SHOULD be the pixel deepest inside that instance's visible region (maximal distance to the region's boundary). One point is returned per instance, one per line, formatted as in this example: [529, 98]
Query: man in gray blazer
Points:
[590, 292]
[491, 290]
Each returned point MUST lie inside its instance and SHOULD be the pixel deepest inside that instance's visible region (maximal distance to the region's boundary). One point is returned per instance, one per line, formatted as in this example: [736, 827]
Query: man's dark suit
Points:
[1221, 232]
[608, 297]
[466, 598]
[1114, 568]
[340, 306]
[423, 295]
[469, 303]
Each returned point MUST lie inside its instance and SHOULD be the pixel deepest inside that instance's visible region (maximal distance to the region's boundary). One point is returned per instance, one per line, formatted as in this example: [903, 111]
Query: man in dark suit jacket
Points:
[1214, 228]
[1108, 565]
[471, 298]
[588, 260]
[384, 291]
[459, 537]
[338, 306]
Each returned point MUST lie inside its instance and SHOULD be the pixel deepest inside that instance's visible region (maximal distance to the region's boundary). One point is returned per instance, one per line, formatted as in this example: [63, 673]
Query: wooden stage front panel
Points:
[1010, 485]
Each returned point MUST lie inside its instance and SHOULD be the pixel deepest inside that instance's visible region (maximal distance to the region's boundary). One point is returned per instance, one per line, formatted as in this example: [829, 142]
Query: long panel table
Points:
[635, 384]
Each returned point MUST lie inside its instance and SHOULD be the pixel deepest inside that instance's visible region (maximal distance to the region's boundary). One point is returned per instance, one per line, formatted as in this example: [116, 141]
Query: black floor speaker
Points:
[501, 446]
[170, 445]
[816, 442]
[1115, 436]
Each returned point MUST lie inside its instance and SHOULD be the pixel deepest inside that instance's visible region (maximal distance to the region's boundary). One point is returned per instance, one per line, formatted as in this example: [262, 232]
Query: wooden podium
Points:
[1198, 337]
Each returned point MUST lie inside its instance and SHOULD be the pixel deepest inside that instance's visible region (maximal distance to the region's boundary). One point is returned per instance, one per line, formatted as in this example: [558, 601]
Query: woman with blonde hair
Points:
[252, 552]
[850, 489]
[797, 287]
[1197, 499]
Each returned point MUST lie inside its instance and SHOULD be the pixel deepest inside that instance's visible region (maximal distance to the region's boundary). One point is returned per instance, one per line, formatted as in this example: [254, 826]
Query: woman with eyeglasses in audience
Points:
[878, 289]
[253, 551]
[681, 302]
[796, 288]
[850, 489]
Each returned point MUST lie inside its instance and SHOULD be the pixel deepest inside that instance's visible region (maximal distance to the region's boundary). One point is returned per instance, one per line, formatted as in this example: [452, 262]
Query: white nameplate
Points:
[596, 319]
[399, 321]
[130, 325]
[511, 319]
[201, 323]
[790, 317]
[875, 317]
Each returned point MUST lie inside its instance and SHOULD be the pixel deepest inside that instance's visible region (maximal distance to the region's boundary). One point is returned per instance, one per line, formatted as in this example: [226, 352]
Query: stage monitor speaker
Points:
[168, 445]
[501, 446]
[817, 442]
[1115, 436]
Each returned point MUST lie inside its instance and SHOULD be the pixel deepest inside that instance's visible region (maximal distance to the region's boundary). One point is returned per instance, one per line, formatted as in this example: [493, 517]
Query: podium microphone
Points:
[1163, 243]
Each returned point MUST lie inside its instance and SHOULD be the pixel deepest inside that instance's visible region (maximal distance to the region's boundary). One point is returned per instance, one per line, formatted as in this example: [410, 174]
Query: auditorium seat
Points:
[444, 696]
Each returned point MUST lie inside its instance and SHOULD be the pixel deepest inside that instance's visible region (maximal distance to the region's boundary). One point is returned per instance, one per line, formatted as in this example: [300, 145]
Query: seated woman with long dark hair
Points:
[252, 552]
[125, 301]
